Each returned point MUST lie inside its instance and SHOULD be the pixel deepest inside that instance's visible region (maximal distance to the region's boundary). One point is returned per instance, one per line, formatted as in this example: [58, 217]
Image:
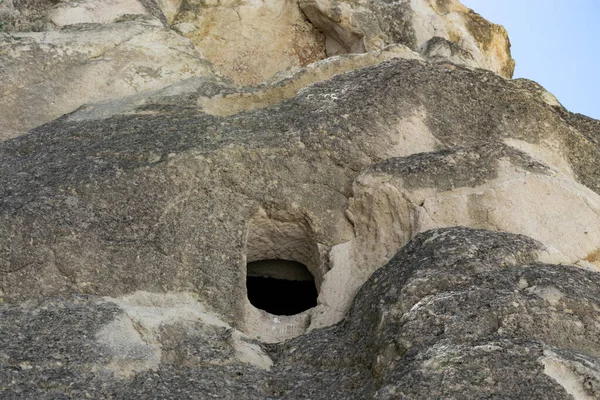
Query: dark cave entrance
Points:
[280, 287]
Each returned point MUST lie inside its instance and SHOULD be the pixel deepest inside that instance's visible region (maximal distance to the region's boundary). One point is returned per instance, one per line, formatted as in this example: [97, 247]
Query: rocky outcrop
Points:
[250, 41]
[436, 28]
[457, 313]
[171, 199]
[448, 216]
[118, 48]
[48, 74]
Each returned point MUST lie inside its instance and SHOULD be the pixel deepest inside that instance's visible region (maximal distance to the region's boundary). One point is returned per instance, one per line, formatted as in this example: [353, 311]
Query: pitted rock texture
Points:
[448, 215]
[25, 15]
[457, 313]
[158, 195]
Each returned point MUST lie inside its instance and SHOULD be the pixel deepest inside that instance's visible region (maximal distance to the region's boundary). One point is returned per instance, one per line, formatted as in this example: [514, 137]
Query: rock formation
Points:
[448, 216]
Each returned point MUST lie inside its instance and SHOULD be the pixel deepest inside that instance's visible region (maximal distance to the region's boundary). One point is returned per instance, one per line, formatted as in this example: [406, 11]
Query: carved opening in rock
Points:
[281, 249]
[281, 287]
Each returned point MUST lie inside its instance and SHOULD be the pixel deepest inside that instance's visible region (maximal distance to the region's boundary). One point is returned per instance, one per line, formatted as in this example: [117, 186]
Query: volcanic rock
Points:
[446, 215]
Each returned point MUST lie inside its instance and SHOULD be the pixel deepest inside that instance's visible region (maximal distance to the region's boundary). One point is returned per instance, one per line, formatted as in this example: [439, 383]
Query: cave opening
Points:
[280, 287]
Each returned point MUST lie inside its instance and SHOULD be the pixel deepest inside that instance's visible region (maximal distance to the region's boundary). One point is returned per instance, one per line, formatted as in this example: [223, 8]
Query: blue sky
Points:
[555, 43]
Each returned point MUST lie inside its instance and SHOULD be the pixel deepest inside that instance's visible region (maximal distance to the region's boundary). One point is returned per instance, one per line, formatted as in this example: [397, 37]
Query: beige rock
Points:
[487, 43]
[249, 41]
[286, 85]
[169, 8]
[48, 74]
[134, 338]
[569, 374]
[355, 26]
[387, 214]
[90, 11]
[387, 211]
[569, 221]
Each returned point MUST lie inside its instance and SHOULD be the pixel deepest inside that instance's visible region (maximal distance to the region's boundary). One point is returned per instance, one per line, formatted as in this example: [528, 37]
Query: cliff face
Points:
[448, 216]
[87, 51]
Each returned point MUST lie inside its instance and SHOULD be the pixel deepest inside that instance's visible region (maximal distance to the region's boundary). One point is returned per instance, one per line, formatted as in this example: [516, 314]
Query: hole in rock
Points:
[280, 287]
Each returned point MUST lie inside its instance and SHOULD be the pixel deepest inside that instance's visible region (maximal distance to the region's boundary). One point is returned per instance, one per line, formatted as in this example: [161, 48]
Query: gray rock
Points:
[448, 317]
[26, 15]
[160, 198]
[449, 217]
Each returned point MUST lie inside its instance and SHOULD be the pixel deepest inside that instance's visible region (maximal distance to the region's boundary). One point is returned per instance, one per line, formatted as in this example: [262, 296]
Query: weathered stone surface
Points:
[169, 8]
[7, 8]
[457, 313]
[287, 85]
[436, 28]
[45, 75]
[249, 41]
[164, 197]
[25, 15]
[88, 11]
[45, 15]
[492, 187]
[437, 207]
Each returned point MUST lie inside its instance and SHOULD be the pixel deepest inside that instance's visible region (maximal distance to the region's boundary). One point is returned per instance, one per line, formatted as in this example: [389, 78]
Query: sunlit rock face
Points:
[436, 28]
[445, 217]
[48, 74]
[250, 41]
[87, 51]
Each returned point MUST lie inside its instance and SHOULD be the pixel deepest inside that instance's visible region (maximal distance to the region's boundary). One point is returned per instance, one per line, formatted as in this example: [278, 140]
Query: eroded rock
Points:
[491, 187]
[88, 11]
[46, 75]
[26, 15]
[433, 206]
[436, 28]
[168, 197]
[451, 314]
[250, 41]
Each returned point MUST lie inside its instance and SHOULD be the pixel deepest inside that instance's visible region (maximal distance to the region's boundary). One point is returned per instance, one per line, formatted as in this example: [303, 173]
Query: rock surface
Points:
[176, 196]
[89, 11]
[449, 216]
[109, 55]
[457, 313]
[250, 41]
[48, 74]
[436, 28]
